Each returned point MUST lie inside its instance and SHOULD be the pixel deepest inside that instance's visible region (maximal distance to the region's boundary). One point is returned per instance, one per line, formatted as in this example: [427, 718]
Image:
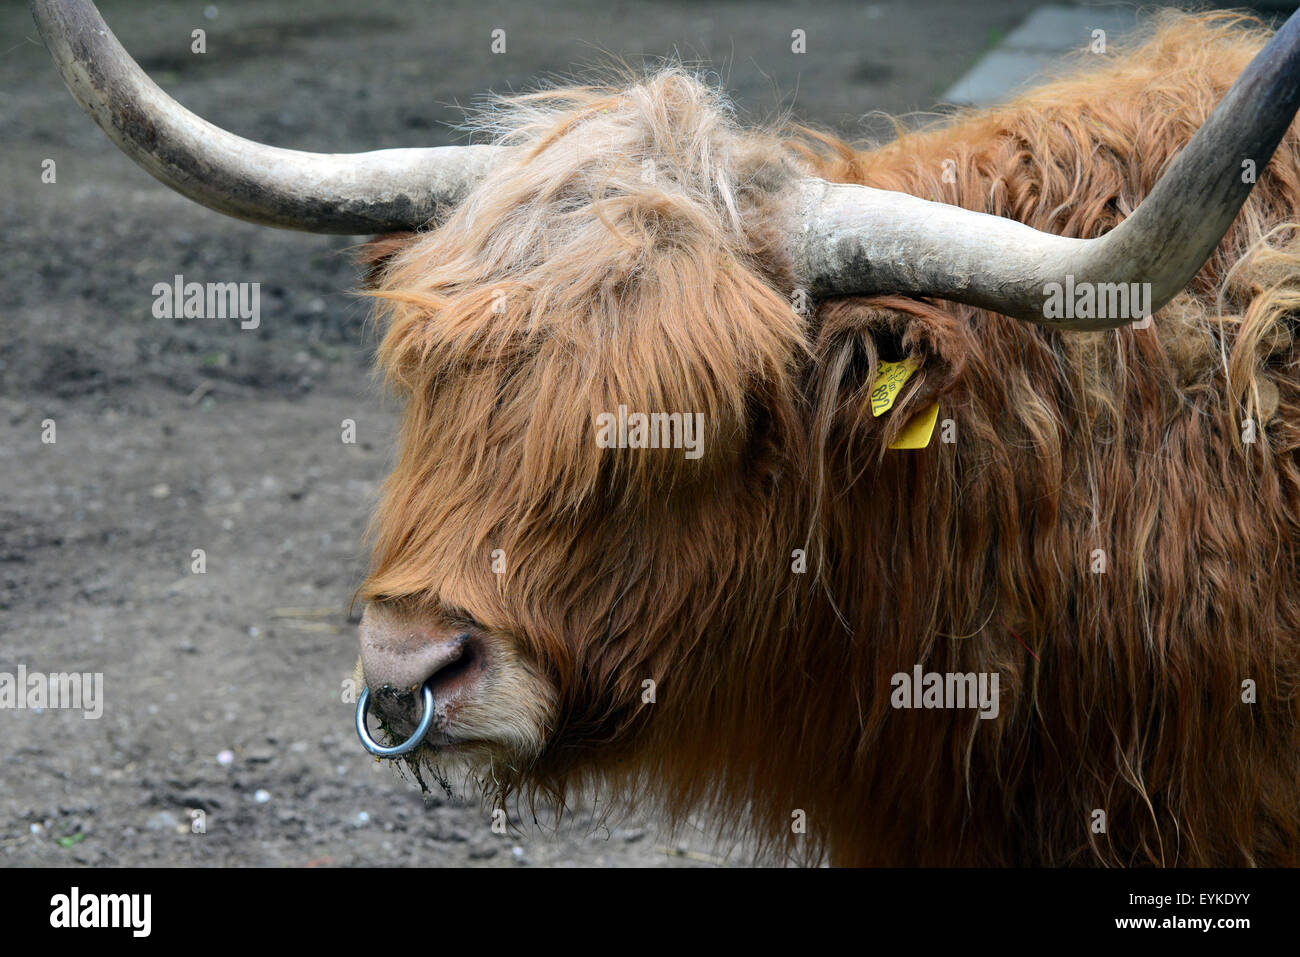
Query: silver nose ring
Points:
[369, 743]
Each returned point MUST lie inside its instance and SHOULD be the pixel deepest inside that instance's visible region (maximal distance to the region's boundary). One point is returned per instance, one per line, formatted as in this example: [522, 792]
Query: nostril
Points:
[463, 657]
[460, 667]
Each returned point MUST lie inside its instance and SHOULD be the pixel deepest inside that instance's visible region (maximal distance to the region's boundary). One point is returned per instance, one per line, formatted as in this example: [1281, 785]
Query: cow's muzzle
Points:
[420, 676]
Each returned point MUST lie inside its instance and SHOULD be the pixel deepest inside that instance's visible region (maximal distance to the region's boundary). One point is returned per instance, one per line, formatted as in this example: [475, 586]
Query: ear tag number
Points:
[893, 376]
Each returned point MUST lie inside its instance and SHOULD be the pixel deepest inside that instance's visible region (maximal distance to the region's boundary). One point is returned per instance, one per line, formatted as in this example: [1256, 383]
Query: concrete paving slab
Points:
[1047, 34]
[997, 77]
[1057, 28]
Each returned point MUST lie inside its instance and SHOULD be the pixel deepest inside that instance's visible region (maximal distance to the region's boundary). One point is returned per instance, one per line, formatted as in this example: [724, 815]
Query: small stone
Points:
[225, 758]
[162, 821]
[261, 796]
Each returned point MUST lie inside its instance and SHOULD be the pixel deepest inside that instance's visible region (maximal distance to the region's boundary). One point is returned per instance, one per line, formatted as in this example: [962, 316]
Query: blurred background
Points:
[225, 691]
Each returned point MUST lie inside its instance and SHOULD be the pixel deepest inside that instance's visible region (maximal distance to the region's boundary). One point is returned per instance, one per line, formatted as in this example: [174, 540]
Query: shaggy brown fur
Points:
[626, 251]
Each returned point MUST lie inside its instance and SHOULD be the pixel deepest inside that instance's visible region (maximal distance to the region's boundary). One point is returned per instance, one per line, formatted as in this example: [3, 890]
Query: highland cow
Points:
[1104, 529]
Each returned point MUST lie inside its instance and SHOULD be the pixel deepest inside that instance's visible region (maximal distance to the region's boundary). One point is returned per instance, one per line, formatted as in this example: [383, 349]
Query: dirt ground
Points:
[175, 435]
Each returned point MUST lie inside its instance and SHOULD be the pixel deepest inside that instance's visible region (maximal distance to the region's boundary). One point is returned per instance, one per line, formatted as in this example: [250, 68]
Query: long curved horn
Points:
[854, 240]
[352, 193]
[845, 240]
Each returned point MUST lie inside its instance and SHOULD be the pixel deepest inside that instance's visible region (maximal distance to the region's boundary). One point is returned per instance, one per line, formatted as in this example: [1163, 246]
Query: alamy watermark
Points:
[38, 691]
[74, 909]
[179, 299]
[1096, 300]
[651, 430]
[946, 690]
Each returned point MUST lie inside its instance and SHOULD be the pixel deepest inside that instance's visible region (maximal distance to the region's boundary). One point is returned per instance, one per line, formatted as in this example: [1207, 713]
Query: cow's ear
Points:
[884, 362]
[374, 256]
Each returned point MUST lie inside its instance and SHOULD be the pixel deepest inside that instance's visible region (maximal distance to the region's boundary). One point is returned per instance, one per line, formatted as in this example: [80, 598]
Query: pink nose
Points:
[401, 653]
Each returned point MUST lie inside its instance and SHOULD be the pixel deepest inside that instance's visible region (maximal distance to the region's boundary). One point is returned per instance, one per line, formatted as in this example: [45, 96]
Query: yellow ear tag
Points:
[890, 381]
[891, 378]
[916, 434]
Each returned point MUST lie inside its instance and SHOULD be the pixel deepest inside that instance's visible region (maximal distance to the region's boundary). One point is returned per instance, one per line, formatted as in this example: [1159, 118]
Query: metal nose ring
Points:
[426, 719]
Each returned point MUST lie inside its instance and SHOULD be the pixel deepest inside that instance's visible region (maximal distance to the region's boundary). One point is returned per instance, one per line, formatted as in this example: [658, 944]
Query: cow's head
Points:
[618, 253]
[603, 288]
